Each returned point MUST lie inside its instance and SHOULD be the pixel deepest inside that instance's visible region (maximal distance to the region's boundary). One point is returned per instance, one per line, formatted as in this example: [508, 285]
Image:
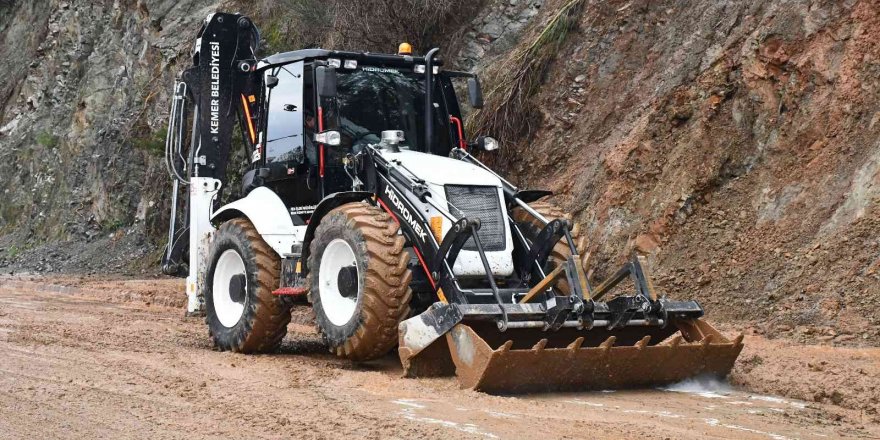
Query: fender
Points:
[270, 217]
[329, 203]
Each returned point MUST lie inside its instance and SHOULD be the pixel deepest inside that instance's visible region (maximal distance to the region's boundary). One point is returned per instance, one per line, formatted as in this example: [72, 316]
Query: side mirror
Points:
[271, 81]
[329, 137]
[326, 81]
[485, 143]
[475, 94]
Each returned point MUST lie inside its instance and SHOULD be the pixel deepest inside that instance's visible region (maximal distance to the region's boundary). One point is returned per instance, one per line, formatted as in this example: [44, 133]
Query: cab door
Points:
[290, 153]
[330, 166]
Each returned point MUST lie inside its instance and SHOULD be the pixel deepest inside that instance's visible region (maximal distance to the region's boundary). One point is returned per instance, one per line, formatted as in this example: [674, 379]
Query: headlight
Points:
[420, 68]
[332, 138]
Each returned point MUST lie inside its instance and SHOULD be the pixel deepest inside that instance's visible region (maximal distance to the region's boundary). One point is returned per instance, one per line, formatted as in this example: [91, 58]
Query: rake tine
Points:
[585, 262]
[608, 343]
[540, 345]
[582, 246]
[506, 347]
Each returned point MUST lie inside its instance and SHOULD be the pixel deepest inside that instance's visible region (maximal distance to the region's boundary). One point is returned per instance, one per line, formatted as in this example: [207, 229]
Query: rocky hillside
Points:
[83, 91]
[738, 143]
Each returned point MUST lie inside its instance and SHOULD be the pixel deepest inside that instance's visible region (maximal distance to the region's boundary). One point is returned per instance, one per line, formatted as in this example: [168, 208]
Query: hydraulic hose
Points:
[173, 140]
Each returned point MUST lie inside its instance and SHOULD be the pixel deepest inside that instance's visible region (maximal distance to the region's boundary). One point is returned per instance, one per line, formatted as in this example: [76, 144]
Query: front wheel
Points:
[359, 281]
[242, 314]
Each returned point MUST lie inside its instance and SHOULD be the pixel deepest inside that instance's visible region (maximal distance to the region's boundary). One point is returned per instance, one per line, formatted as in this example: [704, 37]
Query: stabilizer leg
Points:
[203, 190]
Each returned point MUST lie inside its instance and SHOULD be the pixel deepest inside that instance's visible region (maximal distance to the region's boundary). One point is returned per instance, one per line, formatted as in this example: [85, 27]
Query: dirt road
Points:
[116, 359]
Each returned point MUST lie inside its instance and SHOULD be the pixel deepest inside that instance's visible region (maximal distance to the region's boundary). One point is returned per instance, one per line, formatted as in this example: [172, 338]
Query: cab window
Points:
[284, 135]
[371, 99]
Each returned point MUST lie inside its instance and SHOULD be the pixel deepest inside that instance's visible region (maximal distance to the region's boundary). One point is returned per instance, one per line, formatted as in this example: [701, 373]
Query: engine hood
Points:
[439, 170]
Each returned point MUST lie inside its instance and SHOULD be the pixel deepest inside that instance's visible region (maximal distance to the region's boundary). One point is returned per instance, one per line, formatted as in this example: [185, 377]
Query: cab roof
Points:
[361, 57]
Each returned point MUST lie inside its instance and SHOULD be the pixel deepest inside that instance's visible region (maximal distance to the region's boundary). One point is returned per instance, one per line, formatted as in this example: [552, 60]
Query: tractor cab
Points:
[354, 97]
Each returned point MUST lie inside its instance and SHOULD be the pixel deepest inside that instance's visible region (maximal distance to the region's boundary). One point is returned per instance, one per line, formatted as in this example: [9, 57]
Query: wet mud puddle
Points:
[696, 408]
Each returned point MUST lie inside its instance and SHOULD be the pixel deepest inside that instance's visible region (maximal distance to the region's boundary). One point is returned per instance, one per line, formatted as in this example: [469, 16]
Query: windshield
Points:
[371, 99]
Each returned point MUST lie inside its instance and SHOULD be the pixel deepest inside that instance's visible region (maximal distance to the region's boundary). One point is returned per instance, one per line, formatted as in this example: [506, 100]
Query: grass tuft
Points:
[152, 143]
[507, 112]
[47, 139]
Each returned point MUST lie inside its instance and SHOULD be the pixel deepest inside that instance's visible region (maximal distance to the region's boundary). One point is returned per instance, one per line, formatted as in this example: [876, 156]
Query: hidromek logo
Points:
[380, 69]
[416, 227]
[215, 87]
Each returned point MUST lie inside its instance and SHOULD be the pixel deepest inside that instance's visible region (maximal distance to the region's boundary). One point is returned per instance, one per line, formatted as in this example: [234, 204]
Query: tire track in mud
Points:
[80, 364]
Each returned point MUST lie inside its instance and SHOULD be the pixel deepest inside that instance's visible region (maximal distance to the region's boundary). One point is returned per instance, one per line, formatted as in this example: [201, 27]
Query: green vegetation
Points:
[9, 212]
[304, 23]
[47, 139]
[13, 251]
[274, 36]
[111, 224]
[369, 25]
[153, 143]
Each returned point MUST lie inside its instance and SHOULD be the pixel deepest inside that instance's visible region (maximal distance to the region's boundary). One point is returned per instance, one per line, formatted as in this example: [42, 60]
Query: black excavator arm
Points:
[220, 90]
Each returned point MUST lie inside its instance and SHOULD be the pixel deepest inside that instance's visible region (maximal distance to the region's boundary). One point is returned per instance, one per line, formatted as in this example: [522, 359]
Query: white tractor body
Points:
[444, 177]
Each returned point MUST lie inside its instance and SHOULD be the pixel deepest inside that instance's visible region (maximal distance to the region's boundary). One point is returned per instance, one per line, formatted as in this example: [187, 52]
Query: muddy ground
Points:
[87, 358]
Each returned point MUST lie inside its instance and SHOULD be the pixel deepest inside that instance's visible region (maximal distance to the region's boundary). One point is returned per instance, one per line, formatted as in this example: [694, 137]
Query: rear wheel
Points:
[531, 227]
[242, 313]
[359, 281]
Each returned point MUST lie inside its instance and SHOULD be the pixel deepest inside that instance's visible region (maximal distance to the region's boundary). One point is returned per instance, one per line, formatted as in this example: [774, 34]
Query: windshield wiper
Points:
[283, 137]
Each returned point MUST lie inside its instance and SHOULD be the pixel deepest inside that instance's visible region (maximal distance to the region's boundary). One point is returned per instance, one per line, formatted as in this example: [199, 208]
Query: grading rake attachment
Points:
[629, 341]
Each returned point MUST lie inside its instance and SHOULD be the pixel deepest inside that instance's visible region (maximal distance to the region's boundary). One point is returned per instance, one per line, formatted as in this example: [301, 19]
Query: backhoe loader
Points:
[363, 199]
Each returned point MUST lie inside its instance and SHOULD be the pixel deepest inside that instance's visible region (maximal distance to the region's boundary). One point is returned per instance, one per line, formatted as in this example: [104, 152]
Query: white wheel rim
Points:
[228, 265]
[337, 308]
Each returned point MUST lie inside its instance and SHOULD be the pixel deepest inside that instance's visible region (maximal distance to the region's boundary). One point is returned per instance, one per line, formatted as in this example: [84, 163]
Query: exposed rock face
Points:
[83, 94]
[738, 143]
[496, 30]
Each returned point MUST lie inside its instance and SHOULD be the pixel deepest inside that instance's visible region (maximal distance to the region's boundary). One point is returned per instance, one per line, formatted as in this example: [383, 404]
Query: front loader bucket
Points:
[508, 367]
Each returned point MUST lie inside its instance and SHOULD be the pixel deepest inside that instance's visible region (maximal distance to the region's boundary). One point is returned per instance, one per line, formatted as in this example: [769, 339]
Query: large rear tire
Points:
[359, 281]
[242, 314]
[531, 227]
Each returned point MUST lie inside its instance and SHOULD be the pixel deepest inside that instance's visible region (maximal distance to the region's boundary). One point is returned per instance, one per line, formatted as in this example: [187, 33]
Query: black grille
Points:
[479, 202]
